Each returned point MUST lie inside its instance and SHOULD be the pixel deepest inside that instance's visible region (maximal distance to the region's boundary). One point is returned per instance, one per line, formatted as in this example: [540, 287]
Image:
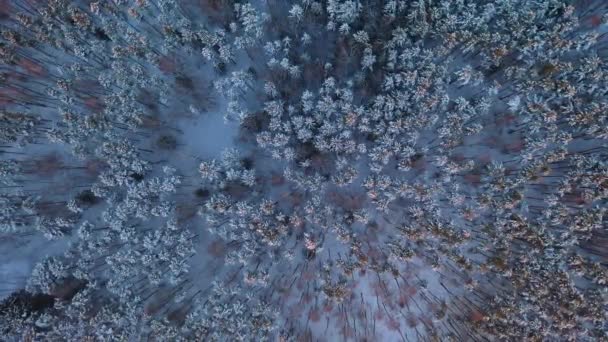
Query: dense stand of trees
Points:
[404, 170]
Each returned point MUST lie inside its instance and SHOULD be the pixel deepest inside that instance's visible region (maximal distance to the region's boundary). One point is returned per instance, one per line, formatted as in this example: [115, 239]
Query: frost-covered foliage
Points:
[401, 170]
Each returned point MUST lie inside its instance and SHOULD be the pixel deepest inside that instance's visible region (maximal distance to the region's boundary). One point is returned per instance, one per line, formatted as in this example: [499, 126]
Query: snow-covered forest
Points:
[301, 170]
